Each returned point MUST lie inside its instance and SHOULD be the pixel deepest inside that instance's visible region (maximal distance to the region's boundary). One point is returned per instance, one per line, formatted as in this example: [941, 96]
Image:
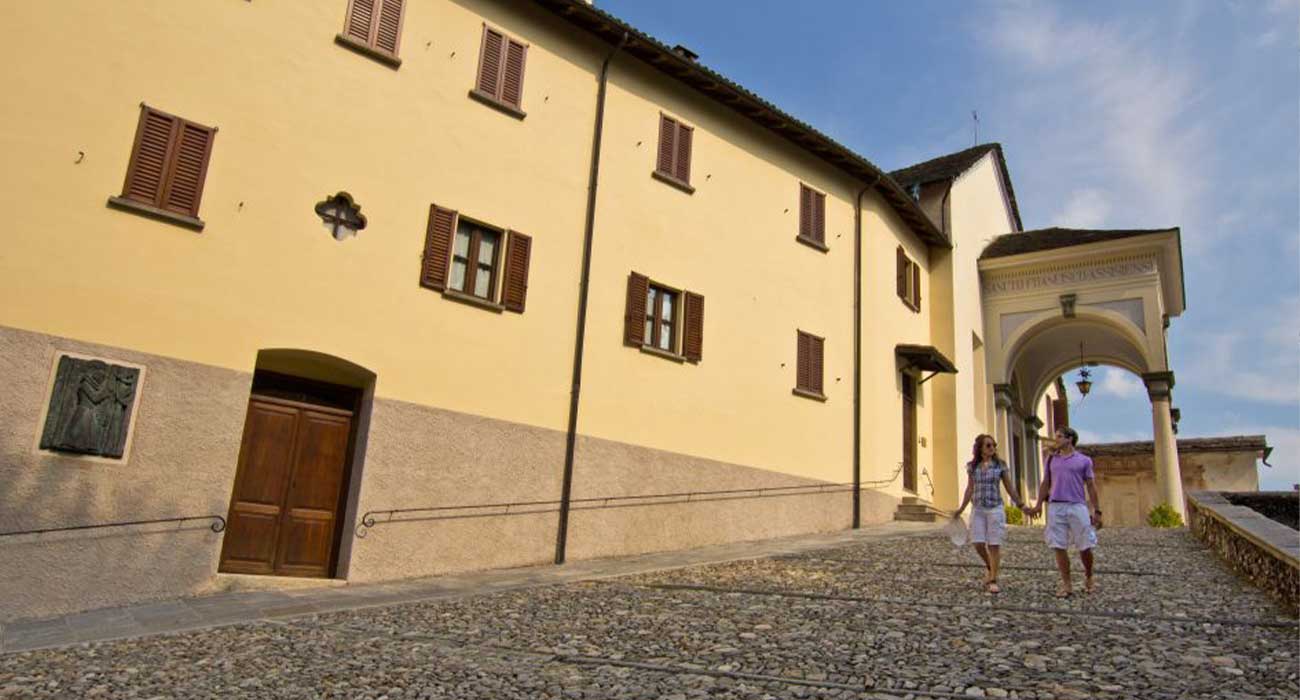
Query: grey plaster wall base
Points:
[181, 462]
[185, 449]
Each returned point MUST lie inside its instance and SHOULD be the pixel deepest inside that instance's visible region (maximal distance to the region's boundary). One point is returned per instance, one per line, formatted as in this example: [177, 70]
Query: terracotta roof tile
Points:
[1052, 238]
[748, 104]
[1229, 443]
[950, 166]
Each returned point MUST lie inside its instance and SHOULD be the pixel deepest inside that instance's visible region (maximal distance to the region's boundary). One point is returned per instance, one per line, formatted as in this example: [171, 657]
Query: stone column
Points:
[1002, 426]
[1169, 478]
[1034, 469]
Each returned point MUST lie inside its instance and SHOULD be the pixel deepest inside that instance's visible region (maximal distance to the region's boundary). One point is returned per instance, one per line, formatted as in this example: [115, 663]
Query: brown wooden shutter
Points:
[512, 81]
[808, 375]
[682, 163]
[693, 332]
[437, 248]
[819, 217]
[638, 287]
[147, 172]
[514, 291]
[901, 274]
[361, 18]
[805, 211]
[388, 30]
[189, 165]
[667, 144]
[803, 361]
[489, 63]
[815, 364]
[916, 285]
[1061, 412]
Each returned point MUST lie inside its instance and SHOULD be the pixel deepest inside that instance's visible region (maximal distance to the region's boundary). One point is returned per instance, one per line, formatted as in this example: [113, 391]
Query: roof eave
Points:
[610, 30]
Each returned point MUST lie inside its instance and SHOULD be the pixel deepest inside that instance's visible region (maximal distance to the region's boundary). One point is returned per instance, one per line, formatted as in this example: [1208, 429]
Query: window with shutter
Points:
[167, 169]
[808, 366]
[909, 281]
[663, 321]
[500, 81]
[374, 28]
[812, 218]
[475, 263]
[673, 158]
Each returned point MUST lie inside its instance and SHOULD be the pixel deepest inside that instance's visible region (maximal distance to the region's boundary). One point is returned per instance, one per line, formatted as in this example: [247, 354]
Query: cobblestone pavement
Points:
[902, 618]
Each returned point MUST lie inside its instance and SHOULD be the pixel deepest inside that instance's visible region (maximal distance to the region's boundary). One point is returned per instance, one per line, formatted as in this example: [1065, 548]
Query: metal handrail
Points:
[368, 519]
[218, 525]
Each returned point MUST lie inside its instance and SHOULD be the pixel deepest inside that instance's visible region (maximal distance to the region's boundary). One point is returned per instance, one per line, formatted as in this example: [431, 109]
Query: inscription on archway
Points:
[1068, 277]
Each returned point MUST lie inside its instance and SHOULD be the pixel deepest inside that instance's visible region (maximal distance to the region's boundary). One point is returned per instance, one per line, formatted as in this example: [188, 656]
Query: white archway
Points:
[1058, 298]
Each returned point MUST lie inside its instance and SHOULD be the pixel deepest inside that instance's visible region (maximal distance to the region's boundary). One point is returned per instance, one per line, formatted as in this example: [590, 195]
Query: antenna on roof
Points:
[975, 117]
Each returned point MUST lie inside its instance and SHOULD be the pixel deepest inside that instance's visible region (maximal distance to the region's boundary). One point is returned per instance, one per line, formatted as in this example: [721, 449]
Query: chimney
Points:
[685, 52]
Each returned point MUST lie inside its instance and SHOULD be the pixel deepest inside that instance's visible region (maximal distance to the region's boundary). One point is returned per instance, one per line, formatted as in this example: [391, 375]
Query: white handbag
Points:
[958, 532]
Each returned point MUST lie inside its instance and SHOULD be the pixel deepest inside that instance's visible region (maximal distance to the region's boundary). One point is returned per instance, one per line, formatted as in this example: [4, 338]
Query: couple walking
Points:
[1072, 516]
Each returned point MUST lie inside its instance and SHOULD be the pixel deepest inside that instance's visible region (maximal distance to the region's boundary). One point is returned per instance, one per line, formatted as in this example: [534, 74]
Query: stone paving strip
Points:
[658, 634]
[243, 606]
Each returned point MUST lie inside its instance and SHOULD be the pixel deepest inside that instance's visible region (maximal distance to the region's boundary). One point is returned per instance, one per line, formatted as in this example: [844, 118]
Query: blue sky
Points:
[1112, 115]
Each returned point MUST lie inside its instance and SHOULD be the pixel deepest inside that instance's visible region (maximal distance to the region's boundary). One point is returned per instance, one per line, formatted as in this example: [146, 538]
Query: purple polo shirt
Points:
[1068, 474]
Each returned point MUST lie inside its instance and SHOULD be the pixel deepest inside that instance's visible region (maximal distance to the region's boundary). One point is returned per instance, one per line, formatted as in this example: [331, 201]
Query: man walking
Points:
[1071, 519]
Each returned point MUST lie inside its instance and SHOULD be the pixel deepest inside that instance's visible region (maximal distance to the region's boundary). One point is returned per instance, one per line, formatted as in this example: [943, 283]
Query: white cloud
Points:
[1085, 208]
[1120, 383]
[1088, 437]
[1259, 364]
[1123, 125]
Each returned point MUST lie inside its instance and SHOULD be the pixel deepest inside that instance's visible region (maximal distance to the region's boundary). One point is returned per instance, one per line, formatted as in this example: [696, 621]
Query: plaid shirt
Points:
[988, 485]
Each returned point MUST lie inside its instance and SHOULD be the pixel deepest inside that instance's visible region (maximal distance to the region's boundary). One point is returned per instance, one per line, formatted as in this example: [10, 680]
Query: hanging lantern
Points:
[1084, 383]
[1085, 377]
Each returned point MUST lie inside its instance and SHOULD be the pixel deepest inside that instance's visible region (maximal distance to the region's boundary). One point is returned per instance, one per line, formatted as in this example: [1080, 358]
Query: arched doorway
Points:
[300, 455]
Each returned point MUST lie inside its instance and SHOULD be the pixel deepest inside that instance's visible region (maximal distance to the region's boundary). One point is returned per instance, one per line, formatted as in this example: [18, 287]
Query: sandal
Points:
[993, 587]
[1062, 591]
[1089, 586]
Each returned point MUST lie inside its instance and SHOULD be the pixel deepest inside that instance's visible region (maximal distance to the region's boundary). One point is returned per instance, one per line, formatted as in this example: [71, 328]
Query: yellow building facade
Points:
[367, 290]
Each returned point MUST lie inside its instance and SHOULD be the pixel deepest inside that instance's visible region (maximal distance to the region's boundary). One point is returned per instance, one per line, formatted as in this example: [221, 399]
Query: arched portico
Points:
[1058, 298]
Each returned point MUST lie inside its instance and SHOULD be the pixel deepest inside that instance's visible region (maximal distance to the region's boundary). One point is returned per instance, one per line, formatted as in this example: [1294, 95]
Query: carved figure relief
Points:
[90, 408]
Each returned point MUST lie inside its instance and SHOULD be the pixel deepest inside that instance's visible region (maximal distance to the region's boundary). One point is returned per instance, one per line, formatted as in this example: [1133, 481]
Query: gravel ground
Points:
[912, 628]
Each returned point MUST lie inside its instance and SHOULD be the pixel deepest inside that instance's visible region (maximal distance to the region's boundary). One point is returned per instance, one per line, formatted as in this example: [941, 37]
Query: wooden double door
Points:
[287, 502]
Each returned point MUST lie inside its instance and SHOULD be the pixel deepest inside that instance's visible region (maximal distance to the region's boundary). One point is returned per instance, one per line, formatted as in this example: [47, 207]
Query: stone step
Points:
[918, 517]
[913, 509]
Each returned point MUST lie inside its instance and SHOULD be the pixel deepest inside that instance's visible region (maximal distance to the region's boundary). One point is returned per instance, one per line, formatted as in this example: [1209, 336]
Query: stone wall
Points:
[1264, 551]
[1126, 479]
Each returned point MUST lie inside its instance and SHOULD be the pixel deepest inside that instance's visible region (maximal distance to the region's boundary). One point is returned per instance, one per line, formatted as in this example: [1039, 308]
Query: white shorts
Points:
[988, 525]
[1069, 526]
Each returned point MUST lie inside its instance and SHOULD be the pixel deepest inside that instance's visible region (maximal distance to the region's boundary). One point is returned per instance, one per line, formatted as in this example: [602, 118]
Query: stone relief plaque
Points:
[90, 407]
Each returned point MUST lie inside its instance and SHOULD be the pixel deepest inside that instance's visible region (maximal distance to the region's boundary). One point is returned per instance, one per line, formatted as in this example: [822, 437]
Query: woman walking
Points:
[986, 475]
